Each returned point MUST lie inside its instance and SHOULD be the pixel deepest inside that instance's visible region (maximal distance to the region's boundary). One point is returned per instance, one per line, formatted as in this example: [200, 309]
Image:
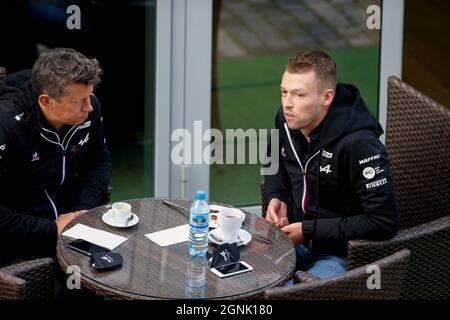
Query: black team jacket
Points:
[340, 185]
[44, 172]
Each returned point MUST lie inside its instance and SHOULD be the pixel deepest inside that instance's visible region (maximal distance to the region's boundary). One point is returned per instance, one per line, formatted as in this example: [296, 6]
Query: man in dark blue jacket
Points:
[334, 182]
[54, 163]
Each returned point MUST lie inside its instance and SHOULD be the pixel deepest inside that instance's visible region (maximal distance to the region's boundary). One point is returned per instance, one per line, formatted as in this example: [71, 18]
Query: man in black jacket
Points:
[54, 163]
[334, 182]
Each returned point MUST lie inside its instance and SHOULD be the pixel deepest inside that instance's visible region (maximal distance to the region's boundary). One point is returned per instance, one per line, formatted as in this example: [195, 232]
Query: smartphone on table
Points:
[231, 269]
[86, 247]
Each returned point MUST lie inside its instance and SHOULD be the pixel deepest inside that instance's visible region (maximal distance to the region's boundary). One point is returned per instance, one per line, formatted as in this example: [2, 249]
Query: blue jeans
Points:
[318, 264]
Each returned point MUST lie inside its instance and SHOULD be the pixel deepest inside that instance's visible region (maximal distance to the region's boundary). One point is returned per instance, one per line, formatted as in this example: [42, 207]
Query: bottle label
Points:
[199, 221]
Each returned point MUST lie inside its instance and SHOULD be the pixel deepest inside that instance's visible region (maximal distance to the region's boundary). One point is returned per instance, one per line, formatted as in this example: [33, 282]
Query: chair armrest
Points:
[38, 275]
[22, 269]
[301, 276]
[361, 252]
[2, 73]
[11, 287]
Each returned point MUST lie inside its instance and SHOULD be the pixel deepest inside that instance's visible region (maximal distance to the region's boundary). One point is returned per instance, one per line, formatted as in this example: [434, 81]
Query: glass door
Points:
[252, 41]
[120, 34]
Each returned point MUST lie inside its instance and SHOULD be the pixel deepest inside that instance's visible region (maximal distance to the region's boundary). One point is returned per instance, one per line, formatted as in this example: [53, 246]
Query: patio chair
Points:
[357, 284]
[2, 73]
[29, 280]
[418, 142]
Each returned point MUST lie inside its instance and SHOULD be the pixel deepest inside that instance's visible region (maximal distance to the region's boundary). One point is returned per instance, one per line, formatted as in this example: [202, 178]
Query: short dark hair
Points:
[321, 63]
[55, 69]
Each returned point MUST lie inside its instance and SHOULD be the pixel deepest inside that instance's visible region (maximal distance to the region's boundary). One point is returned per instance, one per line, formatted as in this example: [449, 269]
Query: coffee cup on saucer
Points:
[230, 223]
[121, 212]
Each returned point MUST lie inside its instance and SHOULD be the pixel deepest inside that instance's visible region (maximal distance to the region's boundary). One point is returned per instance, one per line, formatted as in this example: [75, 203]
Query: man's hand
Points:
[295, 232]
[277, 213]
[64, 219]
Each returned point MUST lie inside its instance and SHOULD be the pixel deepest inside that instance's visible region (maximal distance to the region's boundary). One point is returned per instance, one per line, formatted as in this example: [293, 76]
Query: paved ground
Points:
[257, 27]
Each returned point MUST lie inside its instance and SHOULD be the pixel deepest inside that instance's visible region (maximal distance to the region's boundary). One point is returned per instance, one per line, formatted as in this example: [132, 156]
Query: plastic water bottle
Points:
[196, 273]
[199, 225]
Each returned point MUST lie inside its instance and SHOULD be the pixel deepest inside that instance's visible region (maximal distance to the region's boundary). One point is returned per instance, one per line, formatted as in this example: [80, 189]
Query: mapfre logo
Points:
[374, 157]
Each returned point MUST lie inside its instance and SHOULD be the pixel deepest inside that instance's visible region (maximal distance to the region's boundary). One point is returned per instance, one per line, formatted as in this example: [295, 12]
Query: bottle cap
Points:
[201, 195]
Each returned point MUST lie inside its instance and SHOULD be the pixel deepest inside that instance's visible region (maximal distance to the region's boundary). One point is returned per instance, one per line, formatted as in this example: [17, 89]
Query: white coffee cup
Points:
[120, 211]
[230, 223]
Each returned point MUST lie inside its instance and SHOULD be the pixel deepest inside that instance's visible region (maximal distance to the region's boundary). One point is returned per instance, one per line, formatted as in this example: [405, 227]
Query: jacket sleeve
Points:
[96, 177]
[15, 225]
[373, 184]
[277, 185]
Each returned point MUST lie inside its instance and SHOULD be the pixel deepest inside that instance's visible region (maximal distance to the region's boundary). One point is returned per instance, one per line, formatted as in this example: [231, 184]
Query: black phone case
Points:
[92, 249]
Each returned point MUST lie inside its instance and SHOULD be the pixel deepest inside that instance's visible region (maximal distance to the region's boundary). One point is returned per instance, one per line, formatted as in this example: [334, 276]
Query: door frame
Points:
[183, 90]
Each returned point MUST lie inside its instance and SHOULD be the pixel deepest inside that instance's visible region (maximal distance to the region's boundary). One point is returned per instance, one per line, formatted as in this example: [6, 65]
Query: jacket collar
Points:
[40, 121]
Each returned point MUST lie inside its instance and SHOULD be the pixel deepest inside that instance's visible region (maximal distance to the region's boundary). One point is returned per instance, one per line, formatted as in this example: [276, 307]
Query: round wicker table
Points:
[150, 271]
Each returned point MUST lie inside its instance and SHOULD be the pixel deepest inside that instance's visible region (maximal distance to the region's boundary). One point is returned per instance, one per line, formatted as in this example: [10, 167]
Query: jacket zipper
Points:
[304, 170]
[55, 211]
[64, 149]
[63, 175]
[305, 182]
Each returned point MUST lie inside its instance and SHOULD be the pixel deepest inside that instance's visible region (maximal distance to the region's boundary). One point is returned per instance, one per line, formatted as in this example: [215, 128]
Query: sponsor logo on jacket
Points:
[368, 172]
[19, 117]
[376, 183]
[85, 125]
[326, 169]
[85, 140]
[35, 157]
[327, 154]
[374, 157]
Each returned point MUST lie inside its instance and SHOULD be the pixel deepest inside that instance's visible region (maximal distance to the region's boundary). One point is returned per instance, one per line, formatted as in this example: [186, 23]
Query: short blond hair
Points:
[318, 61]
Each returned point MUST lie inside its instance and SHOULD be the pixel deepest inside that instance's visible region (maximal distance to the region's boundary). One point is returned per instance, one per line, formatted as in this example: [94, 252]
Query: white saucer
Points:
[109, 220]
[244, 236]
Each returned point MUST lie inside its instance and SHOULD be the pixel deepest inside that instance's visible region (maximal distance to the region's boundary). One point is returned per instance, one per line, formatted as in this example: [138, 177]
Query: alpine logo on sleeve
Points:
[85, 140]
[326, 169]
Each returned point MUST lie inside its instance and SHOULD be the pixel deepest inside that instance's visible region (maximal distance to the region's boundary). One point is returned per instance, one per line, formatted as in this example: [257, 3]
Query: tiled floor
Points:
[258, 27]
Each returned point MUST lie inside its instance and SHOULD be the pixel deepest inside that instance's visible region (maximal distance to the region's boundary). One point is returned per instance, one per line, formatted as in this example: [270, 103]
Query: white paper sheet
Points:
[99, 237]
[170, 236]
